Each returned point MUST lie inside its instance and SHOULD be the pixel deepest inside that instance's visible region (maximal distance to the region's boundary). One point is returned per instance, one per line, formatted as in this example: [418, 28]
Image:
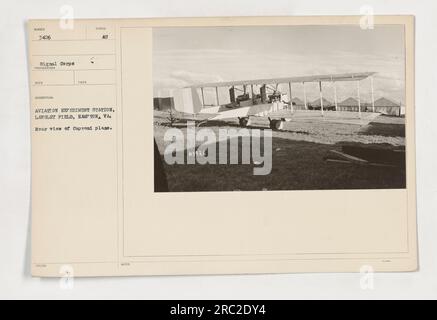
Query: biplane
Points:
[262, 98]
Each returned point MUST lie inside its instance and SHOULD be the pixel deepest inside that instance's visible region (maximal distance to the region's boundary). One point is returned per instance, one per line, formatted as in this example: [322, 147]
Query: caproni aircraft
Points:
[262, 98]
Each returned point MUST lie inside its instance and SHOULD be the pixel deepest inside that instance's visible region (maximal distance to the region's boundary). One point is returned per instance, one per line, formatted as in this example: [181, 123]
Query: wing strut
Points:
[291, 96]
[373, 98]
[335, 96]
[251, 89]
[217, 96]
[321, 97]
[203, 97]
[359, 98]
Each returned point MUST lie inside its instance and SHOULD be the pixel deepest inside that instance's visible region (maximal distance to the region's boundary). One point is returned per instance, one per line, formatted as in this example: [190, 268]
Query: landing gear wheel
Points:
[276, 124]
[243, 121]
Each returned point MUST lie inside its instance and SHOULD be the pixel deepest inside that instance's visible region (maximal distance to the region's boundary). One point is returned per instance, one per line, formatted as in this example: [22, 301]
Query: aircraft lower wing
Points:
[234, 113]
[211, 110]
[255, 110]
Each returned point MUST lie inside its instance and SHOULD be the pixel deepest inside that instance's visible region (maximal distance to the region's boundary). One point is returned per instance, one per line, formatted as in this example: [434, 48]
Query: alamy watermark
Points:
[367, 18]
[200, 146]
[367, 279]
[66, 281]
[66, 21]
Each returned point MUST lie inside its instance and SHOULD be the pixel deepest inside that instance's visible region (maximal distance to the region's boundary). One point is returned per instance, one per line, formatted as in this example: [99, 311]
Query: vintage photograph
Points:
[263, 108]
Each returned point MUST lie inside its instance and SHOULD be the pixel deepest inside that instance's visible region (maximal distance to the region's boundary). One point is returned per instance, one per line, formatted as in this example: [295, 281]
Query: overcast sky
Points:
[184, 56]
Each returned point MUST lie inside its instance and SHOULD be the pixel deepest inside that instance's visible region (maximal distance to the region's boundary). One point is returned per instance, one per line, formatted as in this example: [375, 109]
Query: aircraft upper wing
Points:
[314, 78]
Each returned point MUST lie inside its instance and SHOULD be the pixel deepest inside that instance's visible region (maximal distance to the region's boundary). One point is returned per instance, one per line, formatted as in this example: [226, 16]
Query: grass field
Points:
[297, 159]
